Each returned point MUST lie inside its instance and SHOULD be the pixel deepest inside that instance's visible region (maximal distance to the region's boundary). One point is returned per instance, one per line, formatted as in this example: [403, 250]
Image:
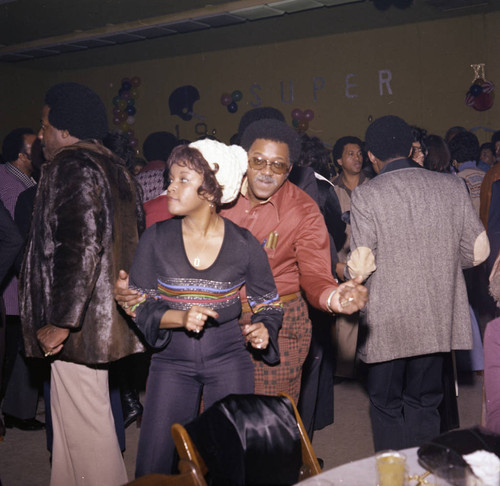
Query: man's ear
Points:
[65, 133]
[339, 162]
[24, 157]
[289, 170]
[374, 161]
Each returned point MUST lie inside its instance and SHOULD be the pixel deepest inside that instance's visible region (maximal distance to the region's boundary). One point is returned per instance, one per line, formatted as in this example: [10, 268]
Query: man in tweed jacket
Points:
[413, 231]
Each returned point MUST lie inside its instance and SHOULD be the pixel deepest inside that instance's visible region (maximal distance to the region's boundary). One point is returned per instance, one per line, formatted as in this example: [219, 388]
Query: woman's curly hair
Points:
[189, 157]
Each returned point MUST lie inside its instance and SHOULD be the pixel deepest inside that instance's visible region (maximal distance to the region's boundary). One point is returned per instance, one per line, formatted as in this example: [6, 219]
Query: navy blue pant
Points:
[404, 398]
[214, 364]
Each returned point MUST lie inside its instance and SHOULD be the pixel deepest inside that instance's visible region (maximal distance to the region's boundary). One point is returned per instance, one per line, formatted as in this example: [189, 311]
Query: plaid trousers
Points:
[294, 339]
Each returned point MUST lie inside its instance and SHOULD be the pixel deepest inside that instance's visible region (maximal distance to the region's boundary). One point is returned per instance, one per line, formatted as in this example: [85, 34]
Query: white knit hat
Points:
[230, 163]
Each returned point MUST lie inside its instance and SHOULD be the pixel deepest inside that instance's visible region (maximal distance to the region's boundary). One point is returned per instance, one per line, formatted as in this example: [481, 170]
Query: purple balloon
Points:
[308, 115]
[297, 114]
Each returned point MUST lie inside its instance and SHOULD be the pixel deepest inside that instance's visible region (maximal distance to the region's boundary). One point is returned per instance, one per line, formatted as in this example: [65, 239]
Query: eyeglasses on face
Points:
[258, 163]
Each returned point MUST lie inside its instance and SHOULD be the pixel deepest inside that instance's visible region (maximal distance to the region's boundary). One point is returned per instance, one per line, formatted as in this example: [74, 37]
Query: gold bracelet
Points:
[329, 301]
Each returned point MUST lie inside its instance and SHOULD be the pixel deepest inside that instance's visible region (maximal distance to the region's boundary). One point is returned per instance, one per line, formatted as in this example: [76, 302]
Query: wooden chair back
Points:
[310, 464]
[186, 448]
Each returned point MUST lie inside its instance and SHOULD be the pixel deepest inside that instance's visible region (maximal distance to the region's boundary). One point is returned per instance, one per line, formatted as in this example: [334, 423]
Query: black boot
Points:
[132, 408]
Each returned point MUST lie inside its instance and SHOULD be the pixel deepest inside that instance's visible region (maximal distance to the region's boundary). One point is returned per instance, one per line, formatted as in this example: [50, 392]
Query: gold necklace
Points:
[197, 261]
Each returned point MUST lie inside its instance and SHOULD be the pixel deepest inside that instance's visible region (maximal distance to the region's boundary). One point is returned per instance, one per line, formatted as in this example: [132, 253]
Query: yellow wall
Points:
[429, 63]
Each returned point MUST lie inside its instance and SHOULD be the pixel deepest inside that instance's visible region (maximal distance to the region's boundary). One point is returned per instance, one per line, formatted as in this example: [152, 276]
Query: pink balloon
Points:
[308, 115]
[297, 114]
[116, 111]
[226, 99]
[116, 120]
[131, 120]
[136, 81]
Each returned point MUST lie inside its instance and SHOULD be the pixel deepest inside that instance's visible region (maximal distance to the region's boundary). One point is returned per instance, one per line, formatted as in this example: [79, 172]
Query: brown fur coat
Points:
[85, 228]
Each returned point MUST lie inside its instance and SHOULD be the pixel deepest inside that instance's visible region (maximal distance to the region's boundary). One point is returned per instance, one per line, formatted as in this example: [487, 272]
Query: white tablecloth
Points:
[363, 473]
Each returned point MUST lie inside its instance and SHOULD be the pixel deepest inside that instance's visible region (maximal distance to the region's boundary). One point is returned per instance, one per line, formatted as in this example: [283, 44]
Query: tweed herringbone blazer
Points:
[413, 231]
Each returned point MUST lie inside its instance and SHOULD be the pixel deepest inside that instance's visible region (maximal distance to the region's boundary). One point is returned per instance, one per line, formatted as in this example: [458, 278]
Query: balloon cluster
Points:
[301, 119]
[124, 109]
[480, 95]
[230, 101]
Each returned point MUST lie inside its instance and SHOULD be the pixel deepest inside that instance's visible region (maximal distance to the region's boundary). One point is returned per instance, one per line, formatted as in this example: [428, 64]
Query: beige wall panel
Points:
[429, 63]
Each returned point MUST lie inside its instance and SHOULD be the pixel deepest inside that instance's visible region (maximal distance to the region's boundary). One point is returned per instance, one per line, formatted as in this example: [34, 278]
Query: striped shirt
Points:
[12, 183]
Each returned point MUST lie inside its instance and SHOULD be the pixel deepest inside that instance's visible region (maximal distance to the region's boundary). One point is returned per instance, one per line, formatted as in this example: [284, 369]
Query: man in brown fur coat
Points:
[86, 223]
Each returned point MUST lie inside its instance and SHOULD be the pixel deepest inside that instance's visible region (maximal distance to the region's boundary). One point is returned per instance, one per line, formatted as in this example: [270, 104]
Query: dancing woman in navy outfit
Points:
[190, 270]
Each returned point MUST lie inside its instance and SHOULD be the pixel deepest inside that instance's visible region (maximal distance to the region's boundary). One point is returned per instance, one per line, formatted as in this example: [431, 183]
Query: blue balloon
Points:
[232, 107]
[130, 110]
[476, 89]
[126, 85]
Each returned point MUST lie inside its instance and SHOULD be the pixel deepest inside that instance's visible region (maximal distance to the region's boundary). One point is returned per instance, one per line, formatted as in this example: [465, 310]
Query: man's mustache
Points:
[266, 179]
